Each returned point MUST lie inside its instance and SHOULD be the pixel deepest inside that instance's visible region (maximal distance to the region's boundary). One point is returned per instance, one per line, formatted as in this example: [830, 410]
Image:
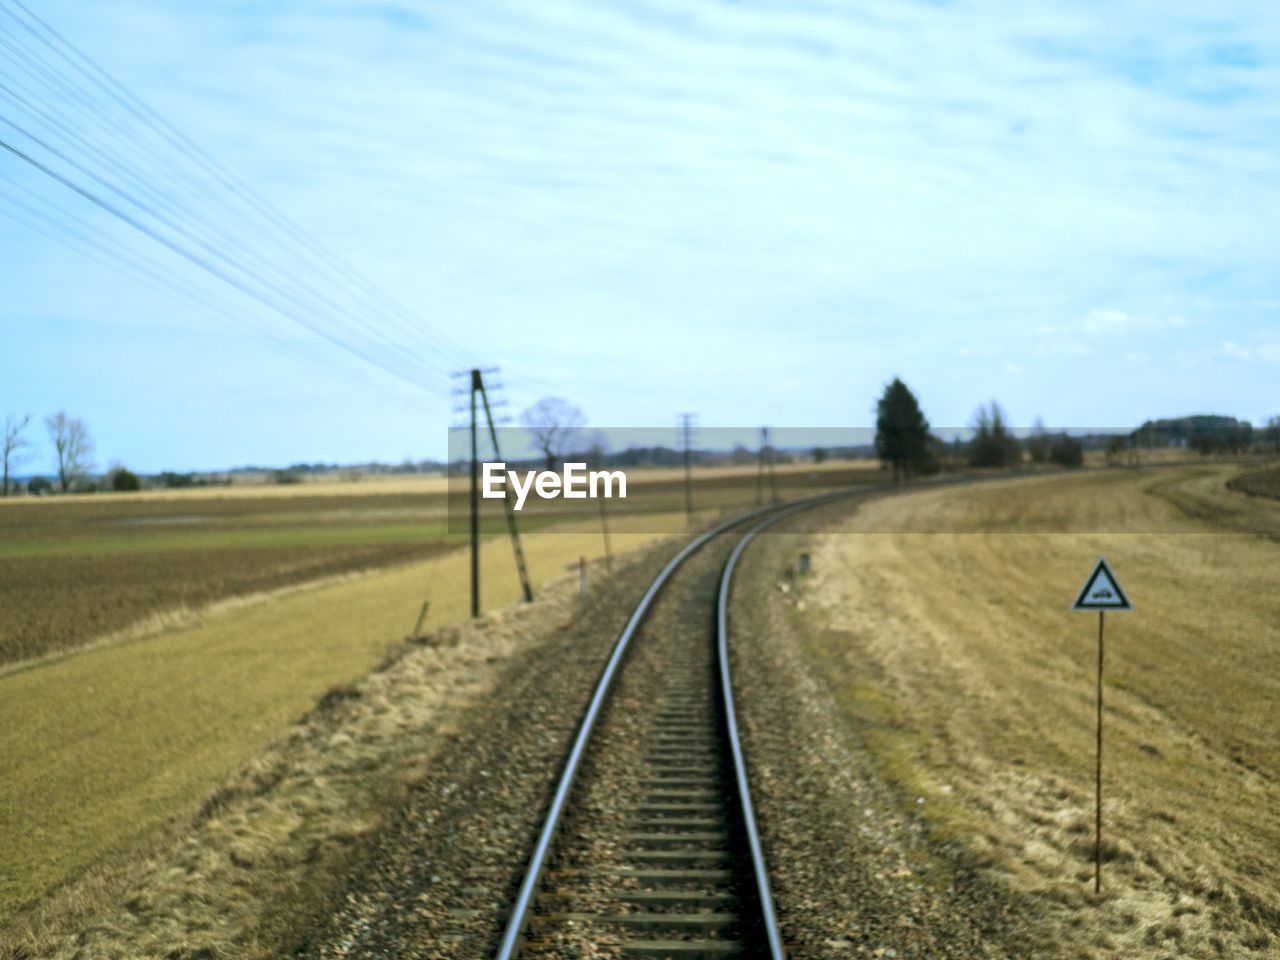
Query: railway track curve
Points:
[649, 846]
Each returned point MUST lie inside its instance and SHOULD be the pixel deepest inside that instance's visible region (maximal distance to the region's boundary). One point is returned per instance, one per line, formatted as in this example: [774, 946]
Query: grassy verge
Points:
[102, 748]
[255, 872]
[954, 653]
[901, 752]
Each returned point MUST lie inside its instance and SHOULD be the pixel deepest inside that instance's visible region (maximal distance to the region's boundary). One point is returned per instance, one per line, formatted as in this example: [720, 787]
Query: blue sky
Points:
[757, 211]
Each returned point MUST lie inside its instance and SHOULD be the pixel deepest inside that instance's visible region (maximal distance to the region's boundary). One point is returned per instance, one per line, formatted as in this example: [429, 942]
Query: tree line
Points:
[905, 444]
[72, 450]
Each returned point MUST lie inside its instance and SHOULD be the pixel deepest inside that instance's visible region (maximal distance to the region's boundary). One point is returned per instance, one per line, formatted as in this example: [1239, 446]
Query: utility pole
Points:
[523, 570]
[773, 477]
[476, 389]
[598, 461]
[604, 529]
[764, 460]
[764, 439]
[475, 502]
[687, 419]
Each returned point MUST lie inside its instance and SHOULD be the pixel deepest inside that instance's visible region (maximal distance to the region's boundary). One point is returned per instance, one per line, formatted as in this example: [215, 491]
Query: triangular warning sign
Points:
[1102, 591]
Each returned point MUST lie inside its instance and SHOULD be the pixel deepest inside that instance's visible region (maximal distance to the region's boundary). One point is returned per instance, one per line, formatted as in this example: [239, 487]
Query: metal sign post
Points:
[1097, 826]
[1101, 592]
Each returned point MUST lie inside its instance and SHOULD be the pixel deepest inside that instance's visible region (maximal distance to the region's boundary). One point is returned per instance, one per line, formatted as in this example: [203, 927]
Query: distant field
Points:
[941, 618]
[262, 487]
[660, 493]
[72, 571]
[76, 569]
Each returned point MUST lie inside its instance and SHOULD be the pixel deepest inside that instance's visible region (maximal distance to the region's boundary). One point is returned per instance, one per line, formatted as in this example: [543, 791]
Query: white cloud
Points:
[1081, 337]
[1264, 349]
[1111, 321]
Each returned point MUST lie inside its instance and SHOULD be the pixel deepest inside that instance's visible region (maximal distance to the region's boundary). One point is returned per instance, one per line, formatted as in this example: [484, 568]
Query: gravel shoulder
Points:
[438, 879]
[855, 872]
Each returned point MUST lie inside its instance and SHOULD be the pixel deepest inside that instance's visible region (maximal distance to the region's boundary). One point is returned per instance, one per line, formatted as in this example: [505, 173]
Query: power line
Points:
[249, 280]
[141, 111]
[46, 218]
[291, 311]
[218, 223]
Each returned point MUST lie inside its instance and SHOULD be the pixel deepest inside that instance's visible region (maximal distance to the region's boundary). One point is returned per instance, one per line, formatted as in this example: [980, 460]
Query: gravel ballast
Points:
[439, 879]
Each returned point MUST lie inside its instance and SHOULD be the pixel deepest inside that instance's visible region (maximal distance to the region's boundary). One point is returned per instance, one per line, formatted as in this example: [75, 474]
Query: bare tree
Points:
[14, 445]
[1039, 443]
[70, 438]
[553, 422]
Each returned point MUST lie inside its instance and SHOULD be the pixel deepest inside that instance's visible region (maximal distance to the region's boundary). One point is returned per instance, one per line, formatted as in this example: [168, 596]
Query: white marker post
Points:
[1101, 592]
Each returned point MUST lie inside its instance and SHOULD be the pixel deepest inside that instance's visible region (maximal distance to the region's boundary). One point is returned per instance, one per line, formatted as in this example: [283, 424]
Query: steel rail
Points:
[537, 862]
[759, 868]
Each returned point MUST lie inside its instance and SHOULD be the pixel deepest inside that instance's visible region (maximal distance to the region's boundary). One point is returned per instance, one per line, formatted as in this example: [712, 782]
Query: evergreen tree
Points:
[902, 432]
[993, 445]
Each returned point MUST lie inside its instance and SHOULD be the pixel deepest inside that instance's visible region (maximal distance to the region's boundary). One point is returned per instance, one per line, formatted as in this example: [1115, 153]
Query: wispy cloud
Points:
[846, 190]
[1108, 321]
[1266, 351]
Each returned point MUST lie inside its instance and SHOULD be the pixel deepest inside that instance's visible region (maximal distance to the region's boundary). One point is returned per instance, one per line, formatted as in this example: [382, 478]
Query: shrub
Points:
[1066, 451]
[122, 479]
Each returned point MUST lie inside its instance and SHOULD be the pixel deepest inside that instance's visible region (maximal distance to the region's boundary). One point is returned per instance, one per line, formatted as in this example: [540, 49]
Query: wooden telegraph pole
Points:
[1101, 592]
[598, 461]
[477, 390]
[475, 502]
[508, 509]
[687, 419]
[764, 461]
[604, 529]
[764, 440]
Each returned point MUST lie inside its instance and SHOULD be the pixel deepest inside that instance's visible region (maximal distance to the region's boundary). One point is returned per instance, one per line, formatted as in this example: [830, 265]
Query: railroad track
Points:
[649, 847]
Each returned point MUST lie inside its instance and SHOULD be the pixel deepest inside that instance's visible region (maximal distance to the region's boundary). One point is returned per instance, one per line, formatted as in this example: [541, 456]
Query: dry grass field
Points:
[100, 748]
[74, 570]
[1259, 483]
[942, 619]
